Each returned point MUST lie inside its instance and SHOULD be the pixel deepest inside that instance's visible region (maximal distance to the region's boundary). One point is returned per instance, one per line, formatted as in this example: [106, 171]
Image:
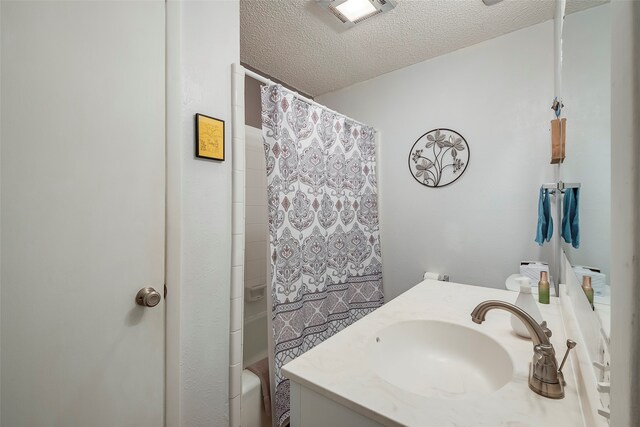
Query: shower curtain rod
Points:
[265, 80]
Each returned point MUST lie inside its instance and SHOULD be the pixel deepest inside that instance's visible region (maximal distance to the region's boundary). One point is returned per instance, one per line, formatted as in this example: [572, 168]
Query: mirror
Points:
[586, 94]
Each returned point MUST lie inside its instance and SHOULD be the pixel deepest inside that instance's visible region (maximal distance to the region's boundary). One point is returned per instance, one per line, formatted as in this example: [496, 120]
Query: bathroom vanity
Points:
[420, 361]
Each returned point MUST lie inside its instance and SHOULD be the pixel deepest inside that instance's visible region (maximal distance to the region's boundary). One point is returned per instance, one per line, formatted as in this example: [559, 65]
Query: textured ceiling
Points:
[302, 44]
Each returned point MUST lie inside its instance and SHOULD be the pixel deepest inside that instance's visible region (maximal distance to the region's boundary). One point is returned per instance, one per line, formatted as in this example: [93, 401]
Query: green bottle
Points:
[588, 290]
[543, 288]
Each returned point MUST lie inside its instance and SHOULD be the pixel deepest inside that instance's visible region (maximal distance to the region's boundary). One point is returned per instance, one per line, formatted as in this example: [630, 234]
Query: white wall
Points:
[586, 92]
[497, 94]
[202, 43]
[625, 205]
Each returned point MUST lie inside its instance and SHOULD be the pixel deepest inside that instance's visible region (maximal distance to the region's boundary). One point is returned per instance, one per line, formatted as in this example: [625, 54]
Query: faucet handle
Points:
[546, 330]
[570, 344]
[543, 350]
[543, 354]
[544, 366]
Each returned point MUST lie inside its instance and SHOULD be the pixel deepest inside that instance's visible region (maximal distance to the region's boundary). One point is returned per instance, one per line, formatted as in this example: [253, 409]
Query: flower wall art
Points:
[439, 157]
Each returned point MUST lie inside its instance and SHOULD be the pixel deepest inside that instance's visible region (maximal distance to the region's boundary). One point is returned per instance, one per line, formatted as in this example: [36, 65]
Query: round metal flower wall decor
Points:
[439, 157]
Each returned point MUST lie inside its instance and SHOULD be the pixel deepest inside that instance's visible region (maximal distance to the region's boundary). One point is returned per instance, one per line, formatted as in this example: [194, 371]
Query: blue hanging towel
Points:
[544, 231]
[571, 217]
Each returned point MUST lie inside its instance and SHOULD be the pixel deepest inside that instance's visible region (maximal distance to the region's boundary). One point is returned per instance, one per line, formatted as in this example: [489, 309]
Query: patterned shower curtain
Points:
[326, 265]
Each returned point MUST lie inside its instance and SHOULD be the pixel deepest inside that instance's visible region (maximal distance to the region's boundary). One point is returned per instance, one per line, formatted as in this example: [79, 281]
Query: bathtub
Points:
[255, 349]
[253, 414]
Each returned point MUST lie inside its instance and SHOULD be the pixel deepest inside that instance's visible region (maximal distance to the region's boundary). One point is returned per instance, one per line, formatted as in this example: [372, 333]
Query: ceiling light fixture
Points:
[352, 12]
[356, 9]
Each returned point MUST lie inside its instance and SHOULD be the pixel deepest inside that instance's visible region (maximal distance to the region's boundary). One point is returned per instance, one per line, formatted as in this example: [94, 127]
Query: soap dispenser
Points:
[526, 302]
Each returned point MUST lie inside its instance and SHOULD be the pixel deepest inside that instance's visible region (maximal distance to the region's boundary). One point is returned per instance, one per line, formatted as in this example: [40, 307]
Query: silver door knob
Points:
[148, 297]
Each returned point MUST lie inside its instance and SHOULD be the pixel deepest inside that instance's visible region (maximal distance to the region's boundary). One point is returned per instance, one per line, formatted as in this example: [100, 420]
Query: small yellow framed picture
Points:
[209, 137]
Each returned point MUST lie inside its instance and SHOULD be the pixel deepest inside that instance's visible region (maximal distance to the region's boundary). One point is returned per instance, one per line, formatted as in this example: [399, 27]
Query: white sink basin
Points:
[439, 359]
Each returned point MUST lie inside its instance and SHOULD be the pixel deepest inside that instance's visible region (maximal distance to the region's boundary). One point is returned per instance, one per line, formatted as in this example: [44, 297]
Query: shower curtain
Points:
[326, 264]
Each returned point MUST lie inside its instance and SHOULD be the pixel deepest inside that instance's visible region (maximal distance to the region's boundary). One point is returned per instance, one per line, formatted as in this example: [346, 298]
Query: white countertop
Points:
[337, 369]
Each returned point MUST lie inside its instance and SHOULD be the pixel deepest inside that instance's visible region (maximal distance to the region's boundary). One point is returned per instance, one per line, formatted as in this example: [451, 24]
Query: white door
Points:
[82, 198]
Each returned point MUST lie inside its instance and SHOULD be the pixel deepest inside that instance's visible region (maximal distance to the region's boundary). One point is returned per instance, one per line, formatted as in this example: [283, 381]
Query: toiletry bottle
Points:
[526, 302]
[543, 288]
[588, 290]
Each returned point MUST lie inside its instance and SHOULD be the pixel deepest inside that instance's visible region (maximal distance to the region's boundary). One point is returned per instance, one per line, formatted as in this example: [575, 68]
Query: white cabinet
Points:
[311, 409]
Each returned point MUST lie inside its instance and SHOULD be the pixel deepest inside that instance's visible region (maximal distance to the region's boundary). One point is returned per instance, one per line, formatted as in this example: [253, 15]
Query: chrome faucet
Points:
[544, 376]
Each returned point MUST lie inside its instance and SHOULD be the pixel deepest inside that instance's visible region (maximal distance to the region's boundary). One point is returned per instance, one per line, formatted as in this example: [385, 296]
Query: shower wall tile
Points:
[237, 221]
[256, 243]
[255, 159]
[256, 232]
[237, 281]
[238, 124]
[256, 196]
[258, 279]
[238, 154]
[255, 251]
[236, 315]
[257, 178]
[235, 381]
[256, 269]
[235, 416]
[237, 241]
[237, 187]
[255, 215]
[237, 88]
[235, 347]
[237, 256]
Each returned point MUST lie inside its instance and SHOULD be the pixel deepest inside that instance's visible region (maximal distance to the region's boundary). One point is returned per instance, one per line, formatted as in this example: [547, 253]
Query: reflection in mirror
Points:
[586, 94]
